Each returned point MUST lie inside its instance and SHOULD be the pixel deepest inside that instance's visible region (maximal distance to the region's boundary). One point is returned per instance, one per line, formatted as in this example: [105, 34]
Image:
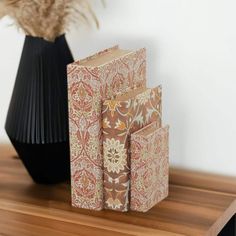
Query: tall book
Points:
[96, 78]
[121, 117]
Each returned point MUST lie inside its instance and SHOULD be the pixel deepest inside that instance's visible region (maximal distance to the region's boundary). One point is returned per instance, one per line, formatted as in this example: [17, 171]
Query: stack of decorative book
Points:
[115, 162]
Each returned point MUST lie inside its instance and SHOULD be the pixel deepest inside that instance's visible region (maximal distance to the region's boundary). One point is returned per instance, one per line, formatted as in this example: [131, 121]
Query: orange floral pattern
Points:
[149, 167]
[87, 87]
[131, 115]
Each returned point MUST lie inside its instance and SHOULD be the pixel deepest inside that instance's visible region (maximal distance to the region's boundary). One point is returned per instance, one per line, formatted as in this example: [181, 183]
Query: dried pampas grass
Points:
[2, 10]
[47, 18]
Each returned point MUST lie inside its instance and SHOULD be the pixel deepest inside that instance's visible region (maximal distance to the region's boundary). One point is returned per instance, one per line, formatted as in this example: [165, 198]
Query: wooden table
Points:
[198, 204]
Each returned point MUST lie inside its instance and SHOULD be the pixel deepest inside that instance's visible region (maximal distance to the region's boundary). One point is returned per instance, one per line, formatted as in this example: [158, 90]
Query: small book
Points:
[149, 167]
[101, 76]
[122, 116]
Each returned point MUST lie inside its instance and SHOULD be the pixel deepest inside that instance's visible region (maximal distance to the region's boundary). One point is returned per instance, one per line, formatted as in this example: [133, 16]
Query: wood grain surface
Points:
[198, 204]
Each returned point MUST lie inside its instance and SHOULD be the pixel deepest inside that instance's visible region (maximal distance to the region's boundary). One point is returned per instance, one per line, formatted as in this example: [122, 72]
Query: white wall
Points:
[191, 51]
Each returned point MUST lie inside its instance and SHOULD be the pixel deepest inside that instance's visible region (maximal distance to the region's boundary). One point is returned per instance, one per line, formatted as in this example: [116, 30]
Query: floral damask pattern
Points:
[124, 117]
[84, 178]
[87, 87]
[115, 154]
[149, 167]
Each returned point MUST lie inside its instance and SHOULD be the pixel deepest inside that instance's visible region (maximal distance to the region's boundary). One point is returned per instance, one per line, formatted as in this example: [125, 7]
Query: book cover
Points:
[101, 76]
[149, 167]
[121, 117]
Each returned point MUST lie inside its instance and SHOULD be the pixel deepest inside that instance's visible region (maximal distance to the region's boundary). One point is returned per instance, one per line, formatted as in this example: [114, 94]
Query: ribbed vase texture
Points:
[37, 120]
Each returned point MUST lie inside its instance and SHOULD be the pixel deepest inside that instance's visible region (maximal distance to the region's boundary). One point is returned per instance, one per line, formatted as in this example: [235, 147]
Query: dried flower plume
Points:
[47, 18]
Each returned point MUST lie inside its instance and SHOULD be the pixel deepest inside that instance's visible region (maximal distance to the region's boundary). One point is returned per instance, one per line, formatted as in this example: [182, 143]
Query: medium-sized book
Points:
[121, 117]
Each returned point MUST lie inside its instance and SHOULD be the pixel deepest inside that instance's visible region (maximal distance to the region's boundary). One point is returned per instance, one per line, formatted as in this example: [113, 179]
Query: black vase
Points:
[37, 119]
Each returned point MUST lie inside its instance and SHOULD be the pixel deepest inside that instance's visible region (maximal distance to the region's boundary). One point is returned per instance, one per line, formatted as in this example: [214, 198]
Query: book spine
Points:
[149, 167]
[87, 87]
[84, 100]
[120, 119]
[115, 157]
